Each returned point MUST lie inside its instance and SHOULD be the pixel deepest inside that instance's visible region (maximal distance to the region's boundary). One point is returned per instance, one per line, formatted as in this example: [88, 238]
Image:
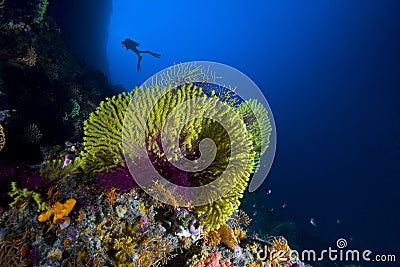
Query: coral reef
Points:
[104, 228]
[71, 147]
[13, 252]
[103, 142]
[94, 214]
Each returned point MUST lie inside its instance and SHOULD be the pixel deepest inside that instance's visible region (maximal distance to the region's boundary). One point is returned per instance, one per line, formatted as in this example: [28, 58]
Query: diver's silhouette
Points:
[132, 45]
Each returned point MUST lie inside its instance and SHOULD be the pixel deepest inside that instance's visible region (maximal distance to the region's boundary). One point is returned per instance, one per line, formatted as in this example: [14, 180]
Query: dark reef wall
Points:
[46, 92]
[84, 28]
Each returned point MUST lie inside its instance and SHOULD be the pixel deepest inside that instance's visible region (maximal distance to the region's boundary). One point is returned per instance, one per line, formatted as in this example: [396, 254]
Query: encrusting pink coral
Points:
[214, 261]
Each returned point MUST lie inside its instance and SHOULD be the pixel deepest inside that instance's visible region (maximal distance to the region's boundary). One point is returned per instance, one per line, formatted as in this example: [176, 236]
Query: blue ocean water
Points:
[331, 73]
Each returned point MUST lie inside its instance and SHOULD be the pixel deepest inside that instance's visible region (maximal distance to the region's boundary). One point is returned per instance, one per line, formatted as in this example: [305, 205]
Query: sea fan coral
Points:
[228, 236]
[279, 252]
[162, 133]
[211, 238]
[258, 124]
[186, 73]
[33, 134]
[161, 116]
[103, 135]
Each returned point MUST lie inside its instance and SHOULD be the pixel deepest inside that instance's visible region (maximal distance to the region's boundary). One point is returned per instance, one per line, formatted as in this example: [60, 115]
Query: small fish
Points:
[312, 221]
[284, 205]
[267, 191]
[254, 213]
[338, 221]
[254, 205]
[271, 210]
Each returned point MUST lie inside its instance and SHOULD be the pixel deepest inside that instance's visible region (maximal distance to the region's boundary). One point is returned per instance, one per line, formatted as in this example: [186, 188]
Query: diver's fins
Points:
[154, 54]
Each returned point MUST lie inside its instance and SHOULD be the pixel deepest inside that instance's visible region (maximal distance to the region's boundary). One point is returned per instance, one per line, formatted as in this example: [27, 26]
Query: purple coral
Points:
[73, 233]
[238, 252]
[143, 223]
[118, 178]
[7, 170]
[31, 179]
[145, 174]
[194, 227]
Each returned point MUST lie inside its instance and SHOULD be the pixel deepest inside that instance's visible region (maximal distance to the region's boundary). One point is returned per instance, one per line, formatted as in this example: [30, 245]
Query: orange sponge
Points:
[58, 210]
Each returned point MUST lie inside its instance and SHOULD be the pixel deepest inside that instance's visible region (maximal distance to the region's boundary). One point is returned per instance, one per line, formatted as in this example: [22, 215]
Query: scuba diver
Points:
[132, 45]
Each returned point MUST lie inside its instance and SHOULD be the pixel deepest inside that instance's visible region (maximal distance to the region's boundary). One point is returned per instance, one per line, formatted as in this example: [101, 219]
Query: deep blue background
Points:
[331, 73]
